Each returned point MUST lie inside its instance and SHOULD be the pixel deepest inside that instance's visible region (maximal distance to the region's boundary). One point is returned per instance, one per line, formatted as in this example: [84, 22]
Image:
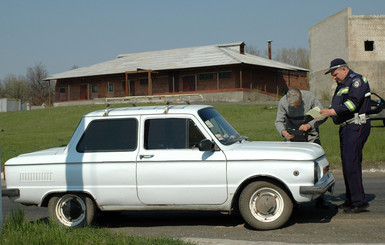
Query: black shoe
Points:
[357, 209]
[344, 205]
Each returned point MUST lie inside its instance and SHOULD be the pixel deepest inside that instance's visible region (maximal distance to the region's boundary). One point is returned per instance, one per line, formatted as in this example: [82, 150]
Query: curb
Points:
[209, 241]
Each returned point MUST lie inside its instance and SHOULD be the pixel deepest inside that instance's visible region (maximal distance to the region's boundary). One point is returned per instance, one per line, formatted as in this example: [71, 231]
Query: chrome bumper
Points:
[321, 187]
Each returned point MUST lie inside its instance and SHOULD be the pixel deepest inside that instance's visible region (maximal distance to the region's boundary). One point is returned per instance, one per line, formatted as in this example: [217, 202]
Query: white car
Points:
[168, 158]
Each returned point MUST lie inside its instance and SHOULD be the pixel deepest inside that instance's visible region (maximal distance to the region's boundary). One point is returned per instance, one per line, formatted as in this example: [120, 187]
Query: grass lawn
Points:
[27, 131]
[17, 230]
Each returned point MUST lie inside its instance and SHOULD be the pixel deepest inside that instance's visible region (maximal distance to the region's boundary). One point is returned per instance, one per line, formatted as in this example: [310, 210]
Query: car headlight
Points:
[319, 172]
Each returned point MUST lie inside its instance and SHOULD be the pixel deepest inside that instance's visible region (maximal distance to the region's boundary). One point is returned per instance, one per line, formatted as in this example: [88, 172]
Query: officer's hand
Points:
[305, 127]
[287, 135]
[328, 112]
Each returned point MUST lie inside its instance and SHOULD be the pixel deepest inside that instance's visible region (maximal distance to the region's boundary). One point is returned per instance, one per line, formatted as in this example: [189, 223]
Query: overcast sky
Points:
[63, 33]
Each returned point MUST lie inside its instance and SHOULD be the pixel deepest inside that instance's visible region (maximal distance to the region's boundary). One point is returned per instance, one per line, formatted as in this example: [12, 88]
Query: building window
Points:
[206, 76]
[225, 75]
[62, 90]
[94, 88]
[143, 81]
[110, 87]
[369, 45]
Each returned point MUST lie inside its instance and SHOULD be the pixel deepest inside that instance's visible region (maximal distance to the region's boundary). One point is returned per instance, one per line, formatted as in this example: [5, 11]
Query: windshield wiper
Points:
[234, 139]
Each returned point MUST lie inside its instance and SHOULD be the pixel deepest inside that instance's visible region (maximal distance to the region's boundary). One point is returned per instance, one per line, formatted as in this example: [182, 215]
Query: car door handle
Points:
[145, 156]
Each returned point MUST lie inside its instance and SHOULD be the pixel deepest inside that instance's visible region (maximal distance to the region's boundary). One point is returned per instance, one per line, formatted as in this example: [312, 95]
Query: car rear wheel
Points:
[265, 206]
[72, 210]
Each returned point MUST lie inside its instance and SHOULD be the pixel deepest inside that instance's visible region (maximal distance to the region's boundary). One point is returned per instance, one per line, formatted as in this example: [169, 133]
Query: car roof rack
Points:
[180, 102]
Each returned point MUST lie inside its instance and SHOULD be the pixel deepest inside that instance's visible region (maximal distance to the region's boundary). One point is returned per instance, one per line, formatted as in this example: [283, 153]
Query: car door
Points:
[102, 160]
[170, 168]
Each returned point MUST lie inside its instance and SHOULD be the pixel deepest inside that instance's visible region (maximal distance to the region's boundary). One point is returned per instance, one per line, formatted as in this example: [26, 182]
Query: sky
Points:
[63, 34]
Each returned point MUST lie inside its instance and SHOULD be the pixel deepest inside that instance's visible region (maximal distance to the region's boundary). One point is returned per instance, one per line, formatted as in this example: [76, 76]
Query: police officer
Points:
[350, 104]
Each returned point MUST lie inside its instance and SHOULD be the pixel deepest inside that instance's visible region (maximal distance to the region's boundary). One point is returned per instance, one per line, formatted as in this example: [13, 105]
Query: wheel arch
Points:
[46, 199]
[246, 182]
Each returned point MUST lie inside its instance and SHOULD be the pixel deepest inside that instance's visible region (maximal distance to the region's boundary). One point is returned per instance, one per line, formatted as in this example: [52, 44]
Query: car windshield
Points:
[222, 130]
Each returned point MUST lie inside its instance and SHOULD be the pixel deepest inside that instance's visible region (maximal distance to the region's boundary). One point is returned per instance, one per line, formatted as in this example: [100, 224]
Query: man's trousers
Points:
[352, 140]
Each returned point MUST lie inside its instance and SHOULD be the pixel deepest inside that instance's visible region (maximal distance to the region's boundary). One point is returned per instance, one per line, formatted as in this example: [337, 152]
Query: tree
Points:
[15, 88]
[293, 56]
[253, 51]
[41, 91]
[2, 90]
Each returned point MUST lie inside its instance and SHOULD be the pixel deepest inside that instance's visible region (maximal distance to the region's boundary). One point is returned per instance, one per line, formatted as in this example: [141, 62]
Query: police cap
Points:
[336, 63]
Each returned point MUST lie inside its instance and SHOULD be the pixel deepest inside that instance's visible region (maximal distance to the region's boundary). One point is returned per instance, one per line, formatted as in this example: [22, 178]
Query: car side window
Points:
[109, 135]
[171, 133]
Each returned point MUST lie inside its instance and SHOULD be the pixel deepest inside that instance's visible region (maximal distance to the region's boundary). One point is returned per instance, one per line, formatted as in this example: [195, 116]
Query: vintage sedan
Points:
[183, 157]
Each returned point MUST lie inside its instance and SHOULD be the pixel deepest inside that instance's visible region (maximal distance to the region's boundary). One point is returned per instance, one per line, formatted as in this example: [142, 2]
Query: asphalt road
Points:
[307, 224]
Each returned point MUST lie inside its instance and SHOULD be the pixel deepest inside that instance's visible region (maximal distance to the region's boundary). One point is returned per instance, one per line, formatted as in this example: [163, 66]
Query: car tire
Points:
[265, 206]
[72, 210]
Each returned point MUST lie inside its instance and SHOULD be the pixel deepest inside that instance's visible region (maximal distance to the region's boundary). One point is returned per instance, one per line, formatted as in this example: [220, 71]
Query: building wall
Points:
[273, 81]
[367, 28]
[296, 79]
[71, 89]
[327, 40]
[370, 63]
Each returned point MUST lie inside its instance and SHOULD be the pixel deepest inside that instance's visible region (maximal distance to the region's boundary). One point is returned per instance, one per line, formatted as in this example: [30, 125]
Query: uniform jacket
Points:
[351, 96]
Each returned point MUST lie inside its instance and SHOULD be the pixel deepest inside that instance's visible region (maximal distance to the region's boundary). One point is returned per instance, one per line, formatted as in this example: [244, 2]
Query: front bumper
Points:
[324, 185]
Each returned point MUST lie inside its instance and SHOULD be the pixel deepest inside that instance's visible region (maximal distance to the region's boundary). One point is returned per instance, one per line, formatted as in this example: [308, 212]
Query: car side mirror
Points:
[206, 145]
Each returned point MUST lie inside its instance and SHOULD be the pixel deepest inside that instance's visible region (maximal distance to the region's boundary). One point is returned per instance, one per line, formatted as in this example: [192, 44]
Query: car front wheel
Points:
[72, 210]
[265, 206]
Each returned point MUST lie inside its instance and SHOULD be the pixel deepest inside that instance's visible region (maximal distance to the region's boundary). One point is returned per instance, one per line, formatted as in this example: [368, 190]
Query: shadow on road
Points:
[309, 213]
[167, 218]
[302, 214]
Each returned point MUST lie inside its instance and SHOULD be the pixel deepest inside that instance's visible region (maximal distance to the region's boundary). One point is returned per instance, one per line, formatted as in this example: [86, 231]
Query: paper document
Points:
[315, 113]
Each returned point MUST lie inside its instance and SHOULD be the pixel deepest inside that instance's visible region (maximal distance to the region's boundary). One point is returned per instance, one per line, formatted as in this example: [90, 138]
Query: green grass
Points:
[18, 231]
[27, 131]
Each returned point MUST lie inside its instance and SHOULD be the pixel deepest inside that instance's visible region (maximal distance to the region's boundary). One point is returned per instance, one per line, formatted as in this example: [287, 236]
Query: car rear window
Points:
[109, 135]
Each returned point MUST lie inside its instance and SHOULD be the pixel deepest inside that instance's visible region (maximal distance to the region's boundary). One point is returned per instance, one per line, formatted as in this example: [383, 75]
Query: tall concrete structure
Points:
[358, 39]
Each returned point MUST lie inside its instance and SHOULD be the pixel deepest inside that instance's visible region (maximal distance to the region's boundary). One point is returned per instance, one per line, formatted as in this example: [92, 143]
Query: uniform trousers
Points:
[352, 141]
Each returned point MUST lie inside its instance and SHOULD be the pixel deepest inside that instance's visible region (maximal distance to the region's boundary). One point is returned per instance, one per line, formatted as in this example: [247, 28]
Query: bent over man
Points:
[293, 124]
[291, 121]
[350, 105]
